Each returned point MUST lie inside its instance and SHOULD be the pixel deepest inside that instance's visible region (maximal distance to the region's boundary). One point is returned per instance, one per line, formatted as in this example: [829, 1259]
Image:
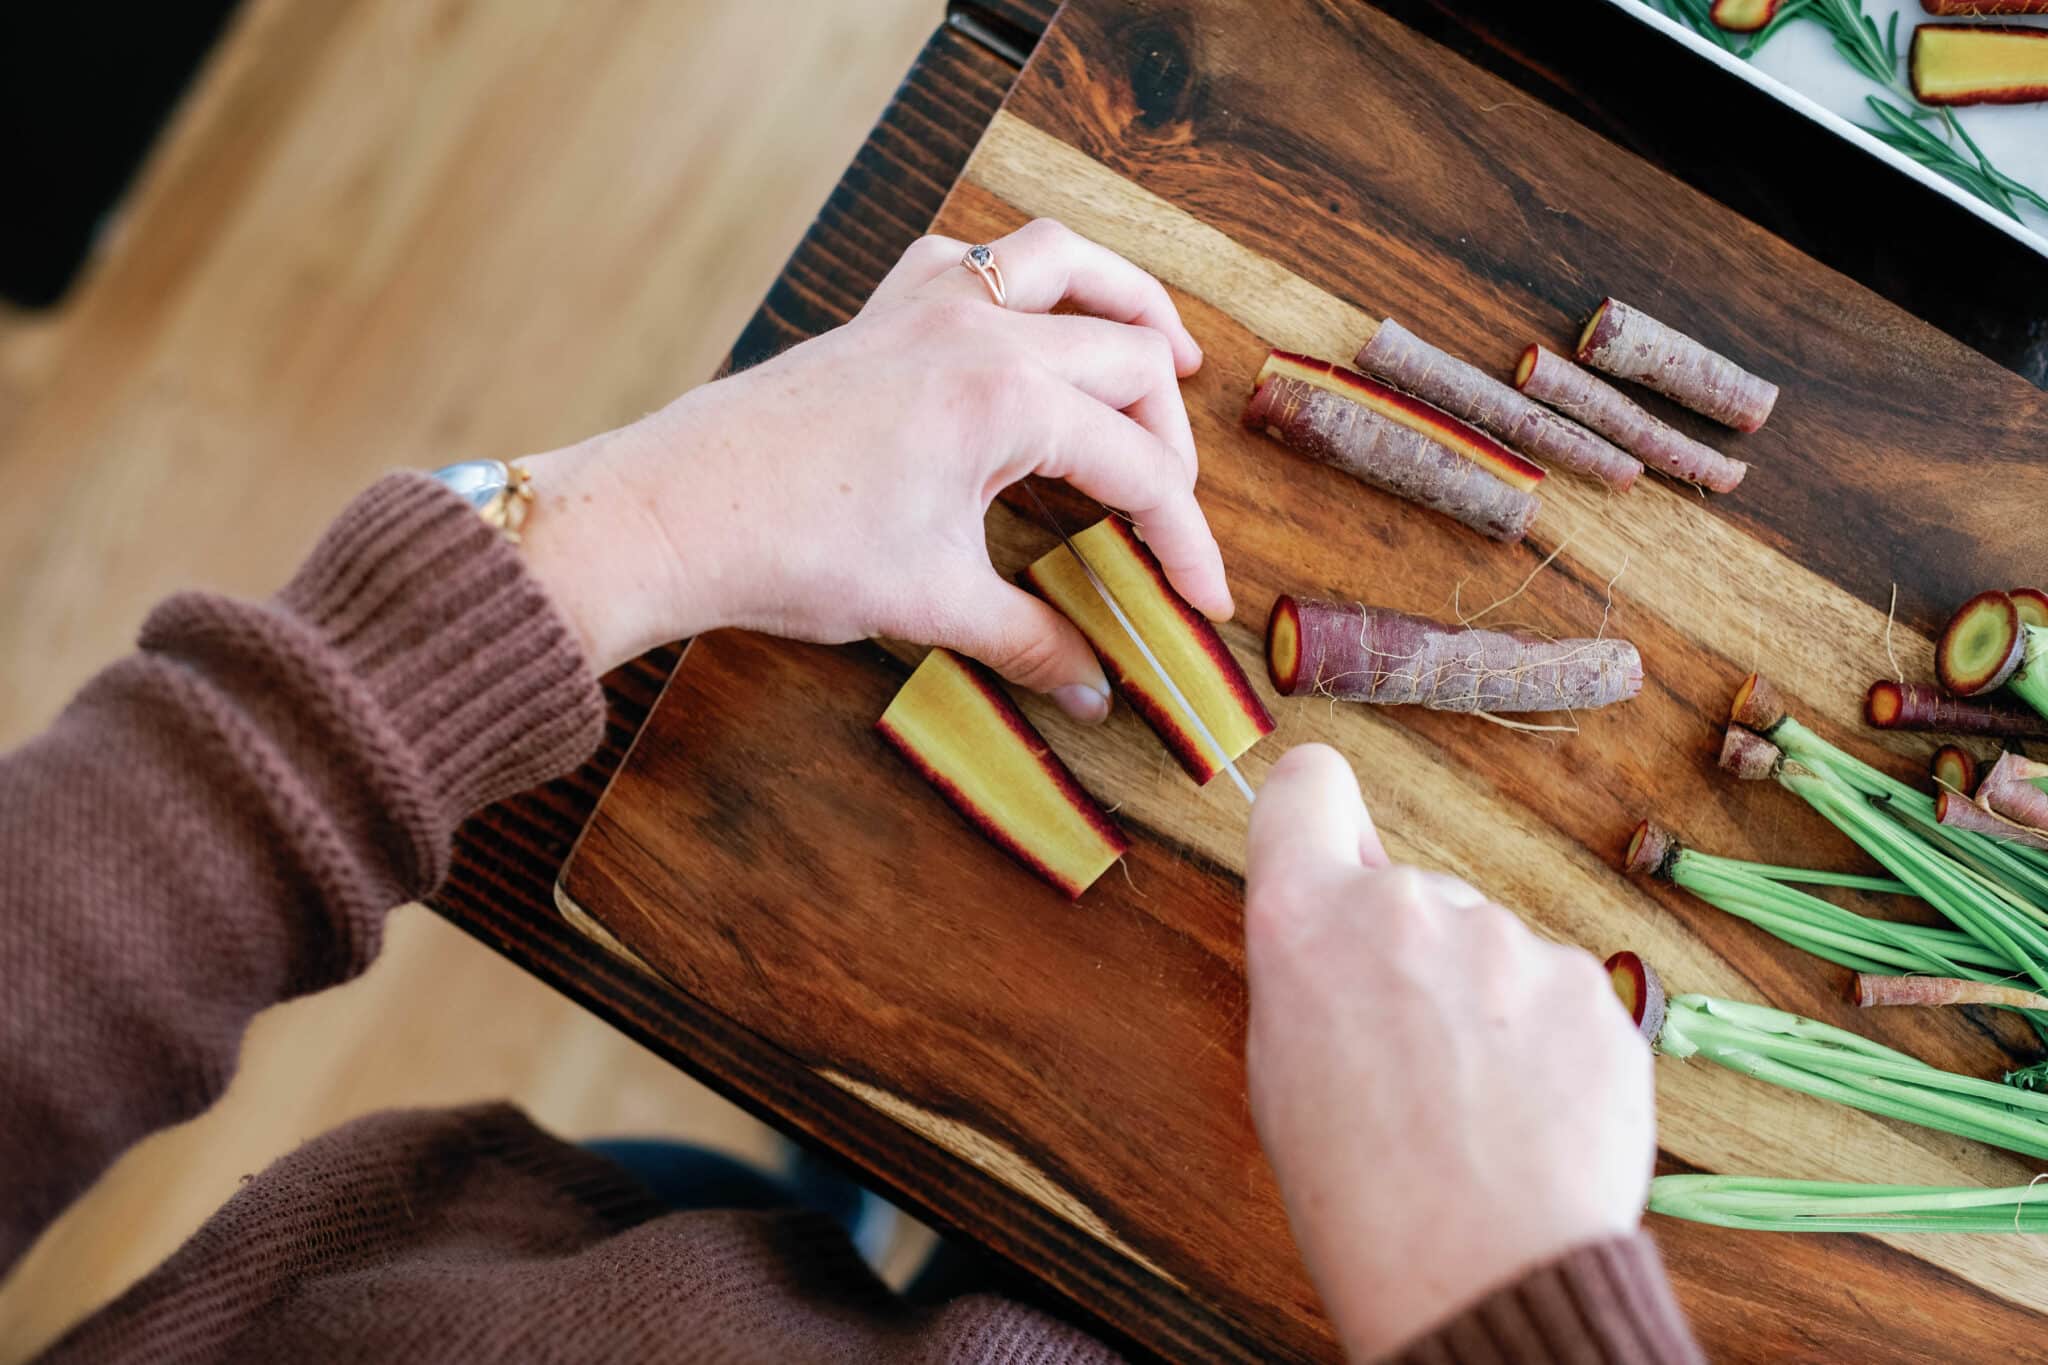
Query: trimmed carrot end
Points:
[1981, 645]
[1883, 704]
[1749, 756]
[1283, 646]
[1525, 365]
[1757, 705]
[1651, 851]
[2032, 605]
[1590, 336]
[1640, 991]
[1954, 770]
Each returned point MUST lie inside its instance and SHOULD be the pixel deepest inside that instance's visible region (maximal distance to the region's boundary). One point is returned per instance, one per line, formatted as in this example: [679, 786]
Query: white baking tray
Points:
[1800, 68]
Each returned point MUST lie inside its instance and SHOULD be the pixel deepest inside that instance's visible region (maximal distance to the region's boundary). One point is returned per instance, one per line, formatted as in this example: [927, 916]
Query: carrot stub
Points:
[1953, 770]
[1585, 397]
[1406, 361]
[1979, 64]
[958, 728]
[1343, 419]
[1921, 706]
[1630, 344]
[1353, 652]
[1981, 646]
[1640, 990]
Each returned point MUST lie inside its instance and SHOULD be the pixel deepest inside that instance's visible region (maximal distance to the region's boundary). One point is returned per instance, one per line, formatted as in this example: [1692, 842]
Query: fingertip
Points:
[1187, 354]
[1082, 702]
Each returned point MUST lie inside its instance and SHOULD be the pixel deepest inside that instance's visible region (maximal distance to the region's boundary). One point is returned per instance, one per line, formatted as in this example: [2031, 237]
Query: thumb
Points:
[1309, 815]
[1033, 646]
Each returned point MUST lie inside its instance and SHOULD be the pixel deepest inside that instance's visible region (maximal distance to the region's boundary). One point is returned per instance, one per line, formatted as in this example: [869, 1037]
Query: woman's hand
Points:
[1448, 1101]
[837, 491]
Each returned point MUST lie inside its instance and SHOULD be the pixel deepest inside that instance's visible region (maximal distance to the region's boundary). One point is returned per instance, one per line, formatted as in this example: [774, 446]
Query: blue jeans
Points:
[686, 1177]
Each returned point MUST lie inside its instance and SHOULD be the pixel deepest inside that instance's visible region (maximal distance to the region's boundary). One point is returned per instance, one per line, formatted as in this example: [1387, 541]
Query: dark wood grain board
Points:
[764, 855]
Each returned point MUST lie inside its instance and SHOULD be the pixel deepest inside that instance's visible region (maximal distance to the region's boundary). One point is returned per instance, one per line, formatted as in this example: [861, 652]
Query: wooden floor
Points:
[385, 233]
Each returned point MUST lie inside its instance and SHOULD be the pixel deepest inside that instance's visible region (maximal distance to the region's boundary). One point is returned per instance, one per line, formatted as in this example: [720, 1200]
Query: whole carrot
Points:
[1354, 652]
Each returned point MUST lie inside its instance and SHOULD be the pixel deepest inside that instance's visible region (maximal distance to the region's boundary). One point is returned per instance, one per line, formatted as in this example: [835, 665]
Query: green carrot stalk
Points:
[1758, 1204]
[1757, 892]
[1829, 1063]
[2023, 871]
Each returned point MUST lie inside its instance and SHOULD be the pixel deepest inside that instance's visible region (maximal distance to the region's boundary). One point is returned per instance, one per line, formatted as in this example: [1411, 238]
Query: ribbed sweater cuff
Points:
[1605, 1302]
[434, 613]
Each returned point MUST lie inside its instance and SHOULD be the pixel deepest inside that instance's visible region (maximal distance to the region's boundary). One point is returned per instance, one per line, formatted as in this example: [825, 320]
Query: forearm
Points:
[220, 821]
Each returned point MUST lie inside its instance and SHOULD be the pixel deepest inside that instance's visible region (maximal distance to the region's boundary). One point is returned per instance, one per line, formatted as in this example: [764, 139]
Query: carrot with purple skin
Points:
[1353, 652]
[1545, 375]
[1318, 420]
[1892, 705]
[1749, 757]
[1406, 361]
[1872, 991]
[2011, 789]
[1959, 812]
[1630, 344]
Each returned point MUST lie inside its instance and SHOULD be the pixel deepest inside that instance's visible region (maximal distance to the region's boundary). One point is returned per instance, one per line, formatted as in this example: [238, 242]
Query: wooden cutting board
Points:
[1295, 173]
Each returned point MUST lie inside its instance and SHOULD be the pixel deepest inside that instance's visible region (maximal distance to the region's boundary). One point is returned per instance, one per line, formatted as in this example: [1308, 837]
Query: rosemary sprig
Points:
[1874, 53]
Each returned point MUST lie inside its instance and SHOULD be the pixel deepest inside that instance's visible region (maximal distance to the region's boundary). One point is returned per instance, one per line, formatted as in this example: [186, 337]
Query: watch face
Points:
[476, 481]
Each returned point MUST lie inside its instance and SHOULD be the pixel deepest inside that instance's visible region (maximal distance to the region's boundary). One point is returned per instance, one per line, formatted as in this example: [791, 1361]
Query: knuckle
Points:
[932, 249]
[1030, 659]
[1045, 230]
[948, 317]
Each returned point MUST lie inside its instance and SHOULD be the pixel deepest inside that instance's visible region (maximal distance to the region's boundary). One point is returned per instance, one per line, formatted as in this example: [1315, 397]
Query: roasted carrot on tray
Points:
[1979, 64]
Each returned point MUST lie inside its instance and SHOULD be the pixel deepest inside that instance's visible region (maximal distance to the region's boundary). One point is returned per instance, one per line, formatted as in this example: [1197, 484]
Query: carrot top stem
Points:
[2030, 682]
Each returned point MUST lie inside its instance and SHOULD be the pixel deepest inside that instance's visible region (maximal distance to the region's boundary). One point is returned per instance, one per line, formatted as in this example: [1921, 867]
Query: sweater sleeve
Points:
[220, 820]
[1607, 1303]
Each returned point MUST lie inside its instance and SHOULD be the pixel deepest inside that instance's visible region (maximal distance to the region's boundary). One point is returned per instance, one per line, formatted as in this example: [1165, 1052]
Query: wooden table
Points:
[1179, 1249]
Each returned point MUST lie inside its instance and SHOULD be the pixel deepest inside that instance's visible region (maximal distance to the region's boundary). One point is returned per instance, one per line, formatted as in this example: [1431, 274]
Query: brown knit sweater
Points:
[221, 820]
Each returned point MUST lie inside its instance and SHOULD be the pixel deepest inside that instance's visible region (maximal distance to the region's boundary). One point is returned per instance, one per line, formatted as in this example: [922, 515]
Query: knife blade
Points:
[1144, 650]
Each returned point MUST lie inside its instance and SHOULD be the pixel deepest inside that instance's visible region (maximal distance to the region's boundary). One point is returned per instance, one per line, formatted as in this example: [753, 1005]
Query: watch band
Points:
[502, 494]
